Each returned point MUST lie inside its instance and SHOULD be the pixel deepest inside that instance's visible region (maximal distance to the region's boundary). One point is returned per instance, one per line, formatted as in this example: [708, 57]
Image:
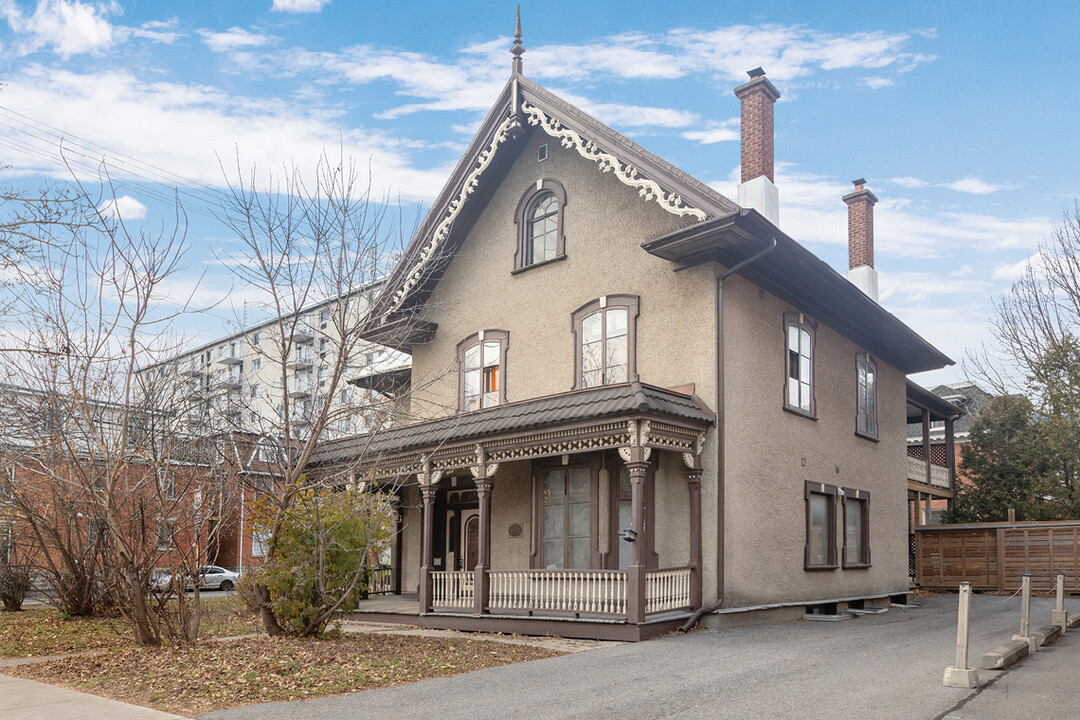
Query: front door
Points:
[470, 539]
[462, 539]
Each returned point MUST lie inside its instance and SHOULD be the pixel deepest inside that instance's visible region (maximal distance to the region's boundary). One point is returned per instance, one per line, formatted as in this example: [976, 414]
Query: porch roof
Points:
[514, 420]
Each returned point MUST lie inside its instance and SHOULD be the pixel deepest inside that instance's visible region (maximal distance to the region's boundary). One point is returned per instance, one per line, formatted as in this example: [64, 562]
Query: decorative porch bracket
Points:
[482, 473]
[428, 480]
[636, 457]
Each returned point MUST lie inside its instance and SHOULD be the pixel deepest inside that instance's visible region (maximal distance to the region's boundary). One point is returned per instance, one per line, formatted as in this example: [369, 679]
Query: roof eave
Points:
[807, 283]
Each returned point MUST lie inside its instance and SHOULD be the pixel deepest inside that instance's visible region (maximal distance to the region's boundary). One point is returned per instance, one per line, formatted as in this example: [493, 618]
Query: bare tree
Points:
[104, 479]
[1036, 352]
[311, 249]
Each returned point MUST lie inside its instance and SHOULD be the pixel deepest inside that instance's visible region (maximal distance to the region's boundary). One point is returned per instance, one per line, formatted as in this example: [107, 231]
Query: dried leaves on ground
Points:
[216, 675]
[46, 631]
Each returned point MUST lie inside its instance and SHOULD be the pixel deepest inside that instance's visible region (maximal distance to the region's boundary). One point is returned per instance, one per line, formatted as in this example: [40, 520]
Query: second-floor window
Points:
[865, 395]
[799, 363]
[605, 332]
[482, 374]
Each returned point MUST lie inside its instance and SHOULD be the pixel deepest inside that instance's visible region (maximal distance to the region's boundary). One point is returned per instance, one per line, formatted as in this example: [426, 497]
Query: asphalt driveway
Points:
[874, 666]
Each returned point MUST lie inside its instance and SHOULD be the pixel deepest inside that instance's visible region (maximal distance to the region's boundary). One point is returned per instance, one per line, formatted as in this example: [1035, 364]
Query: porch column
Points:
[426, 599]
[693, 479]
[635, 575]
[395, 546]
[926, 444]
[950, 452]
[483, 556]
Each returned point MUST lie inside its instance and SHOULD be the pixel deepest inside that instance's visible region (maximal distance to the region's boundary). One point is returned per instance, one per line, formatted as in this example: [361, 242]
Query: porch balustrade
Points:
[601, 592]
[591, 592]
[916, 471]
[452, 589]
[667, 590]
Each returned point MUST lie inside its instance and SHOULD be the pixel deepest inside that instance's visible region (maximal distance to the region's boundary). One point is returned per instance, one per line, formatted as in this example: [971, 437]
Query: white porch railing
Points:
[582, 591]
[380, 580]
[452, 588]
[667, 589]
[916, 471]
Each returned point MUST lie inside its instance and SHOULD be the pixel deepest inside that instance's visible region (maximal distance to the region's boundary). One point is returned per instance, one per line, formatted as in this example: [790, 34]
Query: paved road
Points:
[876, 666]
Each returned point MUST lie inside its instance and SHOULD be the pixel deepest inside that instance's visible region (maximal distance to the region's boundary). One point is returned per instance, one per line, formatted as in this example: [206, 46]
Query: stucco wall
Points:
[605, 224]
[766, 448]
[511, 502]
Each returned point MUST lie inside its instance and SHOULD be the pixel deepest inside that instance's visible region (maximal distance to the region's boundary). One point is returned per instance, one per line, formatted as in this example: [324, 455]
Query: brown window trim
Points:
[860, 358]
[798, 319]
[864, 497]
[632, 303]
[540, 186]
[503, 338]
[832, 492]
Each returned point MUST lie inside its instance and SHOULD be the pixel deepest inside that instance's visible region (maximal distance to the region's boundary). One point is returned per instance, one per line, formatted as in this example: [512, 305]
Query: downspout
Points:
[720, 434]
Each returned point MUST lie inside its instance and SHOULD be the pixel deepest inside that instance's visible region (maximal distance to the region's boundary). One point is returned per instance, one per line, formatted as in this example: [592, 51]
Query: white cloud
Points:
[714, 133]
[203, 124]
[471, 80]
[876, 83]
[69, 27]
[124, 207]
[232, 39]
[299, 6]
[909, 182]
[972, 185]
[1011, 272]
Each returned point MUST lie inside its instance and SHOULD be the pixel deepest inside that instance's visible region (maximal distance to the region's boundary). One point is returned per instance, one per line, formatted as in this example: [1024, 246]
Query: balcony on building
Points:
[302, 357]
[300, 387]
[234, 355]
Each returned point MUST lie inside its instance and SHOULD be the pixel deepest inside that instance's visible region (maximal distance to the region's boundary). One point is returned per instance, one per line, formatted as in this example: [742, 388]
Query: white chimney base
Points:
[864, 277]
[761, 195]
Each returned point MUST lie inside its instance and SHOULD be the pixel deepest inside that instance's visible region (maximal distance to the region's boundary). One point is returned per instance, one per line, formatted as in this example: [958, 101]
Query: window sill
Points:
[812, 568]
[800, 412]
[856, 566]
[864, 436]
[555, 259]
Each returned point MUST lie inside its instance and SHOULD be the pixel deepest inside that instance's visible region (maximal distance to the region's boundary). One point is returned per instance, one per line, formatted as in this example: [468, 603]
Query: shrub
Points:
[317, 566]
[15, 583]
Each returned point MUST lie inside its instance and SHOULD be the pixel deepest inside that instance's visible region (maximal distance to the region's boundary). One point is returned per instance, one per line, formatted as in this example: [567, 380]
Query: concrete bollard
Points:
[1060, 617]
[960, 675]
[1025, 617]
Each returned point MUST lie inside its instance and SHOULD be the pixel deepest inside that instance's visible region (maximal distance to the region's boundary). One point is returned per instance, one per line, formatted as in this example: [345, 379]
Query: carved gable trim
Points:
[626, 173]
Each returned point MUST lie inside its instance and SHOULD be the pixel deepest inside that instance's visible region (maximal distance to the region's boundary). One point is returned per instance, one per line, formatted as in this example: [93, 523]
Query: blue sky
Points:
[962, 116]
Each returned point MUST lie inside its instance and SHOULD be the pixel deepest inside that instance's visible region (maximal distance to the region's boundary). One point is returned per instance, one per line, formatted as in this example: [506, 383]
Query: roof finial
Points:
[518, 49]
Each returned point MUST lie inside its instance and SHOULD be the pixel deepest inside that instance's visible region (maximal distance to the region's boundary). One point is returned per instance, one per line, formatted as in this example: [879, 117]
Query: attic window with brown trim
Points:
[605, 341]
[799, 338]
[482, 370]
[539, 217]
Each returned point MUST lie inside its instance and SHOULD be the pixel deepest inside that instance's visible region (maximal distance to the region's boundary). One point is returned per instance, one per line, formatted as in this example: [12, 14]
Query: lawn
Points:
[46, 631]
[216, 675]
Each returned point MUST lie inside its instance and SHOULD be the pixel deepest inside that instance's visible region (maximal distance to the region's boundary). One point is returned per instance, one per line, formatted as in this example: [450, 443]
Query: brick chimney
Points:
[861, 272]
[758, 190]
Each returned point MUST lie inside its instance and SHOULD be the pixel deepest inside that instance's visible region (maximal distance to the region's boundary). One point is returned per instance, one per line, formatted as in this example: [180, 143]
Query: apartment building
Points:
[275, 374]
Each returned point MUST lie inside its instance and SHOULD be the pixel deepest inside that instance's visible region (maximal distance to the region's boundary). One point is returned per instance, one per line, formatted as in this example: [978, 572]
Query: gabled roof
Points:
[522, 107]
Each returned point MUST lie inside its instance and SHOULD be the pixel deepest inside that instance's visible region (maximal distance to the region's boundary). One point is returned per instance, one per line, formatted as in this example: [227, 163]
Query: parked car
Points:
[216, 578]
[212, 577]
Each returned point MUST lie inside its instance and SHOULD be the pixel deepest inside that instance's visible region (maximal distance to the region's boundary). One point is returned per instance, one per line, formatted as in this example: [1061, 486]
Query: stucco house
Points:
[634, 401]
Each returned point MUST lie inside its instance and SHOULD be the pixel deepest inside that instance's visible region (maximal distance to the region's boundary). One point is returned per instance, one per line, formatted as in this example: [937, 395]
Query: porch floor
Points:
[404, 609]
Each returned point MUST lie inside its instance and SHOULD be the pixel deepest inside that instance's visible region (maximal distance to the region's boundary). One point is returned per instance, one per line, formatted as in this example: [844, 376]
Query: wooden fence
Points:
[995, 556]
